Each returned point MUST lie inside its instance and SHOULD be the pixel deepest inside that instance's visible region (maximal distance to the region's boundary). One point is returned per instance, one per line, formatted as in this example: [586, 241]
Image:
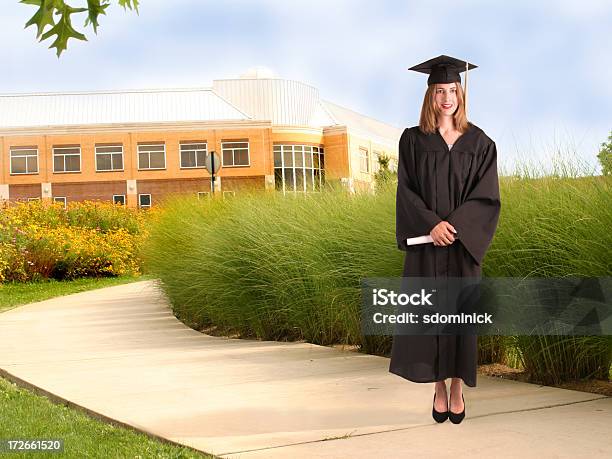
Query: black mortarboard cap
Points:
[443, 69]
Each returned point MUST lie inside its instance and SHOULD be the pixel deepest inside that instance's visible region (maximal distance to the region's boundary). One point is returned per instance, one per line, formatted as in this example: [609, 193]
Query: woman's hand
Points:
[442, 234]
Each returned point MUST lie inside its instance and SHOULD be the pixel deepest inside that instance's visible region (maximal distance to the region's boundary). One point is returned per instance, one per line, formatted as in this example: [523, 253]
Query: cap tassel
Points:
[465, 90]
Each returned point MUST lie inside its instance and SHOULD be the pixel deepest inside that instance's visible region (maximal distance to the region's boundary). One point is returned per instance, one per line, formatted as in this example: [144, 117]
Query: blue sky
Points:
[543, 85]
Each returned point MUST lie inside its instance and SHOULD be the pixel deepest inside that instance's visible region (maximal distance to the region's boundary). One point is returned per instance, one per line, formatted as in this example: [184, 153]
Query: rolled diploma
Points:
[419, 240]
[423, 239]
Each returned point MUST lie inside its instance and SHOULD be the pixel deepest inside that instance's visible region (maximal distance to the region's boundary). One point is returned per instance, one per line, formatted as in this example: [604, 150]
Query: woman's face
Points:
[445, 98]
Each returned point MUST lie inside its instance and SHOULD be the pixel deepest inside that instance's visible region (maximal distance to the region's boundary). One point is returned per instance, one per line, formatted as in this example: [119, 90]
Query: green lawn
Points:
[26, 415]
[15, 294]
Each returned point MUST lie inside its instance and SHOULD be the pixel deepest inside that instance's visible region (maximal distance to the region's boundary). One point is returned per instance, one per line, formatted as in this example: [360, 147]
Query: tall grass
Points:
[271, 266]
[555, 225]
[289, 267]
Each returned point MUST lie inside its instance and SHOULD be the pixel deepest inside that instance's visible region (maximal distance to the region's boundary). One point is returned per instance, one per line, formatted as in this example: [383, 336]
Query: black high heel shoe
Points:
[456, 418]
[439, 416]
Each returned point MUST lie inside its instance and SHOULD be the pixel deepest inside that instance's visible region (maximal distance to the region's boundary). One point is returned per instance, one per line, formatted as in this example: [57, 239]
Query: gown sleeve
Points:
[412, 216]
[476, 218]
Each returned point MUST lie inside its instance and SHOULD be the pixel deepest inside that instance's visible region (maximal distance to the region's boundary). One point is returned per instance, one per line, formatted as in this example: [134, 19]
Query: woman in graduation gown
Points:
[447, 184]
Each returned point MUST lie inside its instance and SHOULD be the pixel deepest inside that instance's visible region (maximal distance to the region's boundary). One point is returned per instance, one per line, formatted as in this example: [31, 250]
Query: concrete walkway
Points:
[120, 353]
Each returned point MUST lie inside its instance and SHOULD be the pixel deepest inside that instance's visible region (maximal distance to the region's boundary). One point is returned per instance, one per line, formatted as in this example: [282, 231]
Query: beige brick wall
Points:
[242, 183]
[336, 161]
[23, 192]
[160, 189]
[356, 143]
[89, 191]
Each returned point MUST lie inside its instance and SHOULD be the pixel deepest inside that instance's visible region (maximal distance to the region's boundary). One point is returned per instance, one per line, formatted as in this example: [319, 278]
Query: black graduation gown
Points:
[460, 186]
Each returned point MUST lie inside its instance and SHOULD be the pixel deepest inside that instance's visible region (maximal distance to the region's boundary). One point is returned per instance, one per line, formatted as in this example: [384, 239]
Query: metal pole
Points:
[212, 174]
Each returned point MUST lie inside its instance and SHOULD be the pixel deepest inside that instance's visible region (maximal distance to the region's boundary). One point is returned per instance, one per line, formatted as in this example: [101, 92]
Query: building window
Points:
[235, 154]
[119, 199]
[298, 168]
[61, 199]
[229, 193]
[109, 158]
[203, 194]
[33, 199]
[24, 160]
[151, 156]
[364, 160]
[67, 159]
[193, 155]
[144, 201]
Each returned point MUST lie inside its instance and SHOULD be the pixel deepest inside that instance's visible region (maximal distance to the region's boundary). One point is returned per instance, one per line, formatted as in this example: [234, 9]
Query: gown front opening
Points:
[462, 188]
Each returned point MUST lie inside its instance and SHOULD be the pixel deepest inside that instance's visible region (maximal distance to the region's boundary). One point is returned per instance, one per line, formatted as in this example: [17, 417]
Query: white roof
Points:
[115, 107]
[288, 102]
[362, 124]
[256, 96]
[283, 102]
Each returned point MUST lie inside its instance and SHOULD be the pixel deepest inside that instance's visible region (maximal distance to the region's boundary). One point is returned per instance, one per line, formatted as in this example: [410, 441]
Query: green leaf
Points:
[95, 9]
[131, 4]
[43, 17]
[64, 30]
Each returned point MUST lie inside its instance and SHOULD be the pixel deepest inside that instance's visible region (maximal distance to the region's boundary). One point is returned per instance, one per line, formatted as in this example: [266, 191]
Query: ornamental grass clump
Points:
[289, 267]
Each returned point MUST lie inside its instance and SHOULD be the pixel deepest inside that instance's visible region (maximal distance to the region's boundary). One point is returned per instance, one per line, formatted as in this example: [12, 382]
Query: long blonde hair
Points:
[429, 112]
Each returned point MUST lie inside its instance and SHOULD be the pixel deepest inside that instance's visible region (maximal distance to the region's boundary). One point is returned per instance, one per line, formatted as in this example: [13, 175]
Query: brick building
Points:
[137, 146]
